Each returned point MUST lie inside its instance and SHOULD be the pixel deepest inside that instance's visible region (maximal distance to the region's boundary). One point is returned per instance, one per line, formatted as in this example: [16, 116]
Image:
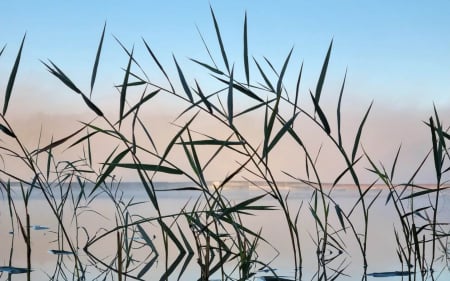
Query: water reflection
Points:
[120, 233]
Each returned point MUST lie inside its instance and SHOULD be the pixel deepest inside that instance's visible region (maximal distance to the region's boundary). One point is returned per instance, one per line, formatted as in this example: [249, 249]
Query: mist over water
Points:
[97, 216]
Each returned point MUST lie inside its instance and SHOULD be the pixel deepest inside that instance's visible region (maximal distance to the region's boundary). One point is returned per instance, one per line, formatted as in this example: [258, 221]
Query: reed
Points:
[212, 228]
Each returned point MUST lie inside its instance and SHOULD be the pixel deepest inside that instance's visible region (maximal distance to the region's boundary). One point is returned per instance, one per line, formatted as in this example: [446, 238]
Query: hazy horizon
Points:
[395, 54]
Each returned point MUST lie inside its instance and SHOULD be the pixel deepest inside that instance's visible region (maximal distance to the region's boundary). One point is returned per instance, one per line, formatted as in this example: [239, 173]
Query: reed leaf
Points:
[1, 51]
[123, 91]
[266, 80]
[423, 192]
[141, 102]
[61, 76]
[213, 142]
[338, 111]
[203, 98]
[54, 144]
[323, 119]
[155, 59]
[358, 134]
[92, 106]
[323, 73]
[297, 90]
[97, 59]
[437, 151]
[183, 81]
[241, 89]
[12, 76]
[207, 66]
[339, 213]
[246, 66]
[230, 99]
[283, 70]
[252, 108]
[7, 131]
[286, 126]
[146, 167]
[109, 169]
[219, 38]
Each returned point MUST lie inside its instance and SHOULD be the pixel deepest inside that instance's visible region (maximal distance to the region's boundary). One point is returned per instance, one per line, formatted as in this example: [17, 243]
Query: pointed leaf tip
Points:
[97, 59]
[12, 76]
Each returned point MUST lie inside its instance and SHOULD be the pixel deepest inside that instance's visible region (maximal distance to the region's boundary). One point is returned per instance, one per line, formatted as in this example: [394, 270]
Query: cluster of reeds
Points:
[212, 228]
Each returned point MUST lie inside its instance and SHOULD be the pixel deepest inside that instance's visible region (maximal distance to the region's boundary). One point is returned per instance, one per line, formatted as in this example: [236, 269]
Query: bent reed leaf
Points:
[61, 76]
[323, 119]
[183, 81]
[54, 144]
[109, 169]
[212, 142]
[155, 59]
[242, 89]
[213, 69]
[7, 131]
[146, 167]
[12, 76]
[92, 106]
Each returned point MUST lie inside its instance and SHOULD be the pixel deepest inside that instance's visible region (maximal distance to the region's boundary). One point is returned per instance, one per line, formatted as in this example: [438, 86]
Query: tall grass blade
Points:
[1, 51]
[338, 113]
[97, 59]
[358, 135]
[155, 59]
[61, 76]
[286, 127]
[123, 91]
[283, 70]
[246, 66]
[436, 151]
[394, 164]
[183, 81]
[203, 98]
[323, 119]
[92, 106]
[12, 76]
[213, 69]
[250, 109]
[7, 131]
[274, 114]
[297, 90]
[219, 38]
[213, 142]
[141, 102]
[146, 167]
[110, 168]
[230, 99]
[242, 89]
[323, 74]
[58, 142]
[266, 80]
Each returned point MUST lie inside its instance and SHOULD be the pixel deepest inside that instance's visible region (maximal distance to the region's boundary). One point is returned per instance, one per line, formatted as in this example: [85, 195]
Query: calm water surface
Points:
[99, 214]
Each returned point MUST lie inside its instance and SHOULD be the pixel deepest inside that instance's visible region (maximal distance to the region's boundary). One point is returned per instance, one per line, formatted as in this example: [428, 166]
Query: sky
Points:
[396, 54]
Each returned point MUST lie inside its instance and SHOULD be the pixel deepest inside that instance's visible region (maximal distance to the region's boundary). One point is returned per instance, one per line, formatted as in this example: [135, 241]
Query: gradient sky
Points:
[397, 52]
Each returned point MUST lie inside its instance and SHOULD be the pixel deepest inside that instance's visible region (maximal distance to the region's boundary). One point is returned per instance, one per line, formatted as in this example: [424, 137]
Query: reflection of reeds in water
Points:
[212, 228]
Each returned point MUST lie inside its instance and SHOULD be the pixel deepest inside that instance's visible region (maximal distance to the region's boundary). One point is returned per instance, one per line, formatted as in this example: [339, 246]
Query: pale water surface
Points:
[100, 214]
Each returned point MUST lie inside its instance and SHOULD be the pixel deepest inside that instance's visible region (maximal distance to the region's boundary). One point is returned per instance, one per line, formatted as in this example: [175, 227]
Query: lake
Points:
[96, 215]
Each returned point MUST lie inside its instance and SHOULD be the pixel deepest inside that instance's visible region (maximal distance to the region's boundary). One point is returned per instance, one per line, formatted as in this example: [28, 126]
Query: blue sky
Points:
[397, 52]
[394, 50]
